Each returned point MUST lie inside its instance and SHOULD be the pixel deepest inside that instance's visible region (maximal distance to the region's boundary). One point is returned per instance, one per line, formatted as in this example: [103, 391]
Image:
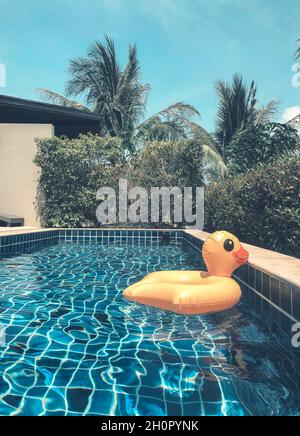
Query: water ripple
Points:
[76, 347]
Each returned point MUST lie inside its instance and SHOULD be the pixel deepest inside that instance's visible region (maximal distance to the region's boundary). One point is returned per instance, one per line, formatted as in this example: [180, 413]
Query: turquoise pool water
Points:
[74, 346]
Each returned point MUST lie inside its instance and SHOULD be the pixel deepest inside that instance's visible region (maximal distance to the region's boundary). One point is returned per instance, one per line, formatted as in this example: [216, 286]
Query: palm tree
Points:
[237, 108]
[115, 94]
[170, 124]
[178, 122]
[119, 98]
[60, 100]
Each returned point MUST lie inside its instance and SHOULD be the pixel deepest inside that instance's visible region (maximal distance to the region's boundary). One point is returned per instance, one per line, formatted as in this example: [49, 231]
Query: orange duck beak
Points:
[241, 256]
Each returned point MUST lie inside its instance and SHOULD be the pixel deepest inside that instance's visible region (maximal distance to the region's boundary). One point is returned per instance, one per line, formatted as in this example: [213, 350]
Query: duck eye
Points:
[229, 245]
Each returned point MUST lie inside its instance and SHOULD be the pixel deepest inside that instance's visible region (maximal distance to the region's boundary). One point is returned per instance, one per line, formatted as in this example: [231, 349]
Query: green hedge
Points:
[71, 172]
[168, 164]
[261, 207]
[260, 144]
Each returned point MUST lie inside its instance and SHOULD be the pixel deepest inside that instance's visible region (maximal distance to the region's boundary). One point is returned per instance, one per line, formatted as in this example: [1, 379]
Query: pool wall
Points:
[275, 297]
[121, 236]
[20, 243]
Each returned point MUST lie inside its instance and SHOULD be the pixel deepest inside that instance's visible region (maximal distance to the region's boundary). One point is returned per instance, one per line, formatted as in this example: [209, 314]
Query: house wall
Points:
[18, 174]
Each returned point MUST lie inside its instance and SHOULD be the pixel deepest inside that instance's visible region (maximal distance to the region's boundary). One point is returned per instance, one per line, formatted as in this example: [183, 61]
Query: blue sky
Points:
[184, 45]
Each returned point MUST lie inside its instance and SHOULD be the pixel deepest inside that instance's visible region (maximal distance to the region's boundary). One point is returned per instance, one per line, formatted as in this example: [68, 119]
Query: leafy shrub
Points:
[260, 144]
[71, 172]
[168, 164]
[261, 207]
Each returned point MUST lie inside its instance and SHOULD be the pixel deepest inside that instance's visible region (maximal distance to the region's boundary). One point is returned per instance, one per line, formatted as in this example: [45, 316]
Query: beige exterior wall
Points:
[18, 174]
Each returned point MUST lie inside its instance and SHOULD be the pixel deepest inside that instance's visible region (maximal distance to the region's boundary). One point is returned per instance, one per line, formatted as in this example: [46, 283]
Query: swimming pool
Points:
[74, 346]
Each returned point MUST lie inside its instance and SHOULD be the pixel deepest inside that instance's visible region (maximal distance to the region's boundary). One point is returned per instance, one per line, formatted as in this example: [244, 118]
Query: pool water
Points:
[74, 346]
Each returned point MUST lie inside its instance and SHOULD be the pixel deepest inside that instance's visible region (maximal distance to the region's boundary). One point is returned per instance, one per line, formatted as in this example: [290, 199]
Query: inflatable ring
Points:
[196, 292]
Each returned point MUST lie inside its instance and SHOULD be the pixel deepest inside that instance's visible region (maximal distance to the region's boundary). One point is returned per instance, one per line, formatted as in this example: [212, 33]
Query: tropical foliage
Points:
[176, 123]
[259, 199]
[60, 100]
[168, 164]
[119, 97]
[297, 54]
[177, 163]
[237, 109]
[71, 172]
[261, 207]
[170, 124]
[116, 94]
[259, 144]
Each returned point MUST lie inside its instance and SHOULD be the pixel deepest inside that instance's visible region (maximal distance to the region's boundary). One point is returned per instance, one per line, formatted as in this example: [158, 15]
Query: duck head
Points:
[223, 254]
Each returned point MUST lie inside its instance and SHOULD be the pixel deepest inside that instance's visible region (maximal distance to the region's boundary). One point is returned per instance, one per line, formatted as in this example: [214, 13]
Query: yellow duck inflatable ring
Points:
[196, 292]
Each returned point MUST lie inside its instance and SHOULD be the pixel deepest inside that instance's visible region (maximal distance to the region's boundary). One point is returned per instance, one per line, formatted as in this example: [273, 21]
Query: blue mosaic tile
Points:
[26, 243]
[120, 236]
[75, 347]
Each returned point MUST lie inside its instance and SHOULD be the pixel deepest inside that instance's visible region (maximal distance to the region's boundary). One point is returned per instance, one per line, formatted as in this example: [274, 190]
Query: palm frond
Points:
[214, 157]
[237, 109]
[171, 123]
[210, 149]
[297, 54]
[179, 108]
[115, 93]
[224, 120]
[59, 99]
[266, 113]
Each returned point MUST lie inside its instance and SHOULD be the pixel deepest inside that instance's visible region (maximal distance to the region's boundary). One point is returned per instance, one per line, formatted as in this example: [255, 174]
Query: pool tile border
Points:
[120, 236]
[18, 243]
[23, 242]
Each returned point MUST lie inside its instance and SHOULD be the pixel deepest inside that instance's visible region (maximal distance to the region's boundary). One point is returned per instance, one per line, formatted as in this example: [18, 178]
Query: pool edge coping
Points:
[267, 261]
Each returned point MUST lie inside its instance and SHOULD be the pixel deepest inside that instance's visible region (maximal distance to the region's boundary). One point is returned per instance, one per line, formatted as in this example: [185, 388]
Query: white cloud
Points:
[290, 113]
